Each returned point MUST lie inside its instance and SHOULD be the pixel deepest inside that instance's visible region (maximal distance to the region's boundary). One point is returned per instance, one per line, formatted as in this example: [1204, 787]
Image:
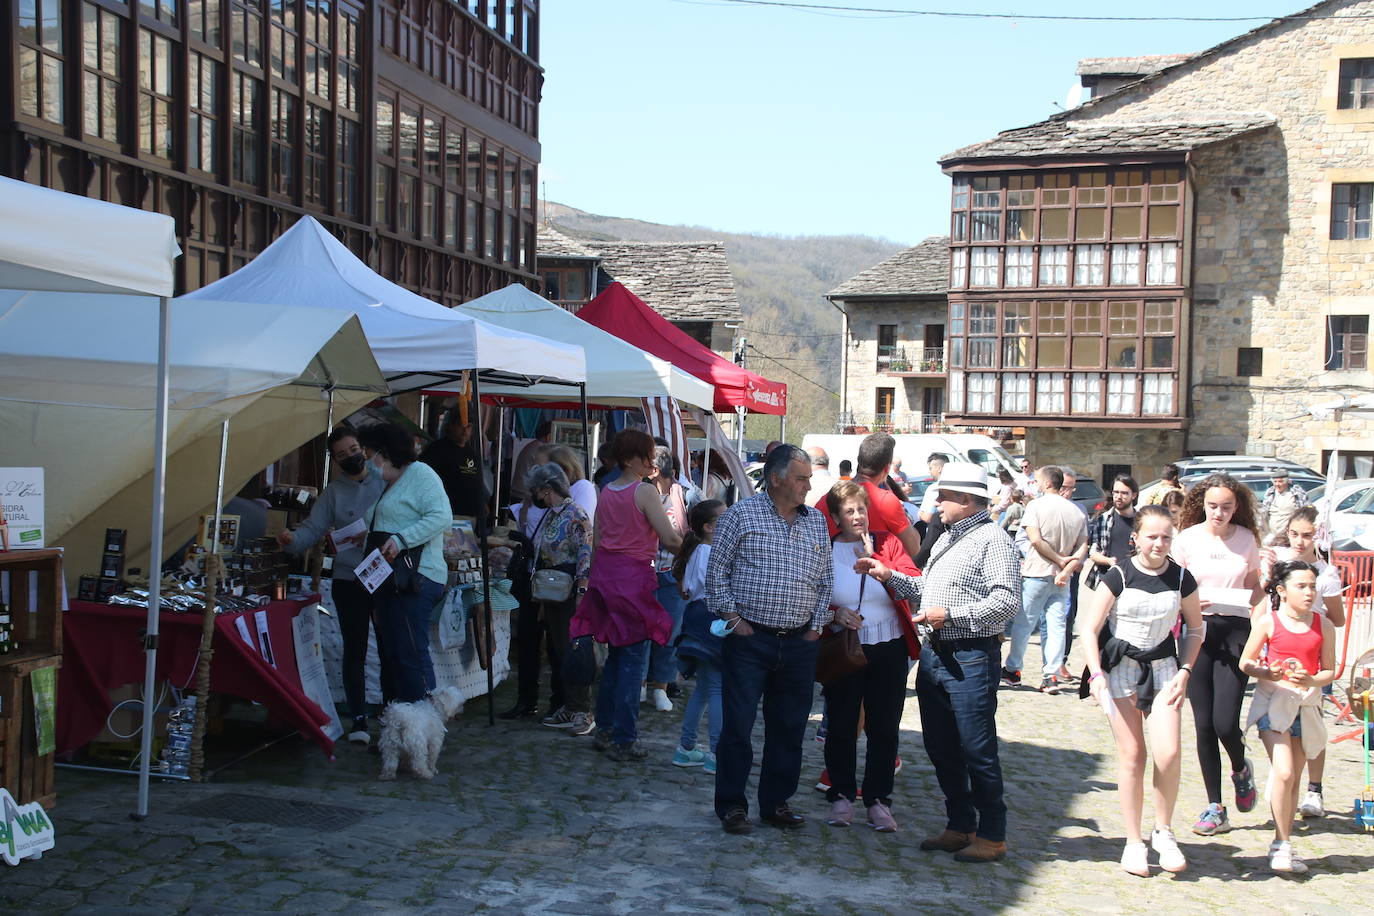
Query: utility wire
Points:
[950, 14]
[793, 371]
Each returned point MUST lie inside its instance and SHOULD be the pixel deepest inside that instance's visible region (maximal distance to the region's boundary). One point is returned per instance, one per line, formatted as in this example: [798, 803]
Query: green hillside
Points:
[793, 331]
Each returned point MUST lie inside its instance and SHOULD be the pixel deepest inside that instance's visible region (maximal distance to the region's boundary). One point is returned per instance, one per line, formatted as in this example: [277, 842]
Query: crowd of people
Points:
[843, 579]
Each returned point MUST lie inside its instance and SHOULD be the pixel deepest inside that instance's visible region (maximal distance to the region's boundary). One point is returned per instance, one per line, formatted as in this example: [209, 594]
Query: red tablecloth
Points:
[101, 650]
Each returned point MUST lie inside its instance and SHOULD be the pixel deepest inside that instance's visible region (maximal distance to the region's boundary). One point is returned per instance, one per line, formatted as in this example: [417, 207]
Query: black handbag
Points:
[405, 566]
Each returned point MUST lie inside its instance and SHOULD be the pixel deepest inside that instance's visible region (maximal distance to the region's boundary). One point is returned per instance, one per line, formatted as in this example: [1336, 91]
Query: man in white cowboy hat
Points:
[969, 590]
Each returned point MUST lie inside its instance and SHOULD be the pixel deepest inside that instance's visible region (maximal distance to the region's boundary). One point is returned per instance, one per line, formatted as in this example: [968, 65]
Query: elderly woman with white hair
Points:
[563, 543]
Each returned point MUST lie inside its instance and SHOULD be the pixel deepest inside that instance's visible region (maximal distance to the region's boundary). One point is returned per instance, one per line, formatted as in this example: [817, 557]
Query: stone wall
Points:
[863, 377]
[1088, 450]
[1264, 271]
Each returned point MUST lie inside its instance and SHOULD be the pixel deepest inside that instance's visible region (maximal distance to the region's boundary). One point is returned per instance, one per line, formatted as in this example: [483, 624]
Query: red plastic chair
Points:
[1356, 568]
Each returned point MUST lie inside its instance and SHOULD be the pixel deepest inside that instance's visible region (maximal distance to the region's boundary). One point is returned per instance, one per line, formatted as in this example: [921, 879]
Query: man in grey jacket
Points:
[339, 513]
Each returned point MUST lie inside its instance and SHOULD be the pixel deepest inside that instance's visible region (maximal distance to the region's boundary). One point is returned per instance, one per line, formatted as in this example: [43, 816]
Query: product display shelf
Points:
[32, 589]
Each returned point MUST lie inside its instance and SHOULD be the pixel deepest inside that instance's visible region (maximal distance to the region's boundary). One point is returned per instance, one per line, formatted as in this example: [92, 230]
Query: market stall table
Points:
[104, 650]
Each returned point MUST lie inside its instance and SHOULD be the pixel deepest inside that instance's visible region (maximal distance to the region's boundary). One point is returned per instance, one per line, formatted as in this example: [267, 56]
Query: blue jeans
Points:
[660, 663]
[957, 693]
[707, 694]
[782, 672]
[1040, 596]
[617, 699]
[403, 631]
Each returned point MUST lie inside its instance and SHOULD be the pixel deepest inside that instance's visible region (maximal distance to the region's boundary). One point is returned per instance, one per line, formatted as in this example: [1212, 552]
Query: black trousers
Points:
[532, 639]
[879, 691]
[354, 606]
[557, 618]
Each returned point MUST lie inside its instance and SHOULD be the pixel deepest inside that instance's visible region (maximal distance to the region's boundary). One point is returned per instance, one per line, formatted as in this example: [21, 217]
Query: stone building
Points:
[409, 128]
[1181, 266]
[689, 283]
[892, 374]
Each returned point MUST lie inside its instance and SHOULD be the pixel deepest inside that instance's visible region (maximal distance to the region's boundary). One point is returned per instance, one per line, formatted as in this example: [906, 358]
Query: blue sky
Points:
[770, 120]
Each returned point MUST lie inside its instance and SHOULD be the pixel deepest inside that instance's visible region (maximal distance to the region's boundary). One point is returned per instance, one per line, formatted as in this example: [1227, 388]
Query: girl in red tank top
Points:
[1299, 659]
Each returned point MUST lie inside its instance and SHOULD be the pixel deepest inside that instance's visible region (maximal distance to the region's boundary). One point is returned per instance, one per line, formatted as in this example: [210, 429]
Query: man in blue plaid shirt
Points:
[969, 590]
[769, 579]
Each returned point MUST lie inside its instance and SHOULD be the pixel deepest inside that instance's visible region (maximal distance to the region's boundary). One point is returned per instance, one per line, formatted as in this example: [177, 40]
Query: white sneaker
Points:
[661, 701]
[1312, 805]
[1135, 860]
[1170, 856]
[359, 736]
[1283, 860]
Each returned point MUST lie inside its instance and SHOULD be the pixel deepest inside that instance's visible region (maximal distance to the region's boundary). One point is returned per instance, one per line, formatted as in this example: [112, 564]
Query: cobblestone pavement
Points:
[524, 818]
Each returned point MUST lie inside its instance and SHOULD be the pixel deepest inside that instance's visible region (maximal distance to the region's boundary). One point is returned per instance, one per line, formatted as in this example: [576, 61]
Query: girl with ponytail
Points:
[698, 649]
[1297, 647]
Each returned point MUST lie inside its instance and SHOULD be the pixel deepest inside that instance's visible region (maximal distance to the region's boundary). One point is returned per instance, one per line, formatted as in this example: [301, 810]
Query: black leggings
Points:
[1216, 691]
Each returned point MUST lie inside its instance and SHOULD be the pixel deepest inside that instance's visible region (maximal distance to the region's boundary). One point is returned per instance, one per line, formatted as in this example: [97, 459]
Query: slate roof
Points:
[919, 271]
[682, 281]
[554, 244]
[1061, 137]
[1128, 66]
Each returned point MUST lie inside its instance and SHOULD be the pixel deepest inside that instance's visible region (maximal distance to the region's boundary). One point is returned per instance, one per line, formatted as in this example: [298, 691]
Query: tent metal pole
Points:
[706, 463]
[500, 449]
[486, 567]
[207, 621]
[586, 439]
[155, 550]
[739, 432]
[782, 428]
[328, 428]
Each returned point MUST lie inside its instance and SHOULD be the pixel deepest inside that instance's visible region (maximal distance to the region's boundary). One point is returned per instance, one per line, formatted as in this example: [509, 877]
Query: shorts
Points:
[1263, 724]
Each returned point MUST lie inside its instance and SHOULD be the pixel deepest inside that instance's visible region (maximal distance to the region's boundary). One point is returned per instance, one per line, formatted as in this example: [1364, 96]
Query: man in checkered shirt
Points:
[769, 579]
[969, 590]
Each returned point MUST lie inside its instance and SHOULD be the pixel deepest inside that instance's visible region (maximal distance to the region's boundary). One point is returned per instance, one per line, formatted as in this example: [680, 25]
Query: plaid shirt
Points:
[1299, 500]
[1099, 539]
[978, 580]
[768, 571]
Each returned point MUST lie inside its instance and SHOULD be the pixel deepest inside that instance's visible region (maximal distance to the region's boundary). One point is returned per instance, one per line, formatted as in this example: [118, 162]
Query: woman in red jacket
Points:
[878, 690]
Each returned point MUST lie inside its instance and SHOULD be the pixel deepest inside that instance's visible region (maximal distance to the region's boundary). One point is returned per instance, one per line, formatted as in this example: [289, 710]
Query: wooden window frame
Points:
[1347, 343]
[1355, 84]
[1345, 222]
[1023, 321]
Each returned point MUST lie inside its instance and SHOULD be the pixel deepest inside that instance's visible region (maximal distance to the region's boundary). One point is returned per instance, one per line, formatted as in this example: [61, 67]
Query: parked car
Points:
[1259, 483]
[1345, 492]
[1237, 464]
[1090, 496]
[1356, 521]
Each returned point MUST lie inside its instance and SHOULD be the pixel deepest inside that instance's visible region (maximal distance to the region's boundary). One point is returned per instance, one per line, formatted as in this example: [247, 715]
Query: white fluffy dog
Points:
[416, 732]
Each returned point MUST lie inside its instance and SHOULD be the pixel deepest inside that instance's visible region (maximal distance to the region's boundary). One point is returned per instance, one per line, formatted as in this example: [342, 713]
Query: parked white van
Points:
[913, 450]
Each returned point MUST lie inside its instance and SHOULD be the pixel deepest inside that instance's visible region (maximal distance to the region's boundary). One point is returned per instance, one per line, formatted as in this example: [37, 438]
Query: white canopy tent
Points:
[61, 242]
[618, 373]
[77, 396]
[416, 342]
[82, 399]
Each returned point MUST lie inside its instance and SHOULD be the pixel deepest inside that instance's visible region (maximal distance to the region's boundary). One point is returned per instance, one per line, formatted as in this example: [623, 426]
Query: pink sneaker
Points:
[880, 819]
[841, 813]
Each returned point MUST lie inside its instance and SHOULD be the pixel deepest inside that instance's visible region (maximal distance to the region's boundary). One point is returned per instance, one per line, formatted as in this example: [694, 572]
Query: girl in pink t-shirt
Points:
[1219, 545]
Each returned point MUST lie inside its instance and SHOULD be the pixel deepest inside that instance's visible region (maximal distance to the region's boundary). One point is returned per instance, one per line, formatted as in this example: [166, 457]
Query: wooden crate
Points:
[28, 776]
[33, 586]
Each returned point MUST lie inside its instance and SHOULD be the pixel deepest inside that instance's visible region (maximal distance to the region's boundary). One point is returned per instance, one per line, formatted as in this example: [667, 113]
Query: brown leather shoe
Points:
[981, 850]
[736, 820]
[949, 841]
[783, 817]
